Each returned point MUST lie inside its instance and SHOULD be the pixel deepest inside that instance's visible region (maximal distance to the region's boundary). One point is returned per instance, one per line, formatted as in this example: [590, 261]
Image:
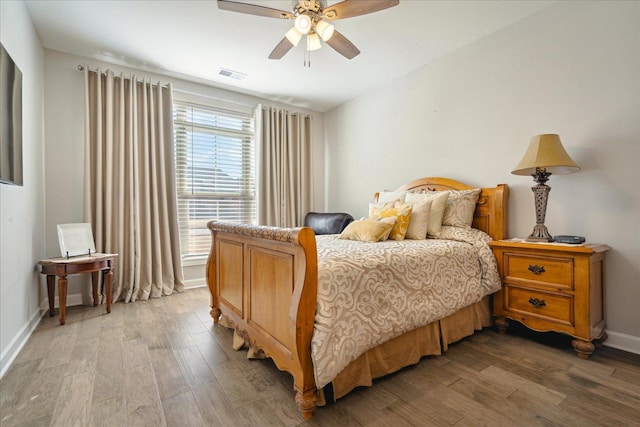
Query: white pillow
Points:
[419, 221]
[439, 203]
[391, 196]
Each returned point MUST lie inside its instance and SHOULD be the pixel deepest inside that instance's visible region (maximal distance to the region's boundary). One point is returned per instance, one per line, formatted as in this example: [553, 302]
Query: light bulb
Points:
[293, 36]
[303, 23]
[324, 30]
[313, 42]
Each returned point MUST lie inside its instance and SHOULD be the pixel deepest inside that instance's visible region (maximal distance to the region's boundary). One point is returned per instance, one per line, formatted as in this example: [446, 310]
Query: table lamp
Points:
[545, 156]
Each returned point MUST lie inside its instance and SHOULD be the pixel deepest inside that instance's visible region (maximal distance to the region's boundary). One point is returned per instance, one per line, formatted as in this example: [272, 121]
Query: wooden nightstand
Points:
[552, 287]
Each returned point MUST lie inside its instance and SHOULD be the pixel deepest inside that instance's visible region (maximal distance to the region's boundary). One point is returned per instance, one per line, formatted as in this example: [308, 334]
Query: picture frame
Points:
[76, 239]
[10, 120]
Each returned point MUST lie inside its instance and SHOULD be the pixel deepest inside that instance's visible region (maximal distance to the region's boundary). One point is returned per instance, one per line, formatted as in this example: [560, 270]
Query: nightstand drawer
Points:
[555, 307]
[542, 270]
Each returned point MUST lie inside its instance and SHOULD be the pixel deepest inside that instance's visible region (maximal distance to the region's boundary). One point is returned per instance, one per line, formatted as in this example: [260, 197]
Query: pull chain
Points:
[307, 55]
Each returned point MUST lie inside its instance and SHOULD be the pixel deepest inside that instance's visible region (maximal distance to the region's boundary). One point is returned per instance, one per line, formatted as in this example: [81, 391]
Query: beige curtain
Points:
[130, 196]
[284, 166]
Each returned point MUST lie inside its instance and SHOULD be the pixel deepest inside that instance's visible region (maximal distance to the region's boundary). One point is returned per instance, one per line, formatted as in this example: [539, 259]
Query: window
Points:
[215, 179]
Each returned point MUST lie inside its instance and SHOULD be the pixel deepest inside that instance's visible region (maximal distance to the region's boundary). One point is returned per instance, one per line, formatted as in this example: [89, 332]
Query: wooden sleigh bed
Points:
[264, 284]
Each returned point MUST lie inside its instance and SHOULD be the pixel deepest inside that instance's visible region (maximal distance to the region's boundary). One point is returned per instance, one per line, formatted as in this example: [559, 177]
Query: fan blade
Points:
[281, 49]
[351, 8]
[252, 9]
[343, 46]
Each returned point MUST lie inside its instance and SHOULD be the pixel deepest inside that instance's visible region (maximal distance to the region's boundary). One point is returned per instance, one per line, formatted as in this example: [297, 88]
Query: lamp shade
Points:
[293, 36]
[324, 30]
[313, 42]
[302, 23]
[546, 152]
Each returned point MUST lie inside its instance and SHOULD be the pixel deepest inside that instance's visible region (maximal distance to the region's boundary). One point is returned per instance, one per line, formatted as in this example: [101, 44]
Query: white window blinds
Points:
[214, 155]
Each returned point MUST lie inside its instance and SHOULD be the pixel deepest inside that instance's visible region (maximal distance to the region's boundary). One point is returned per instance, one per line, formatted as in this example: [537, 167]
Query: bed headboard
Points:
[491, 210]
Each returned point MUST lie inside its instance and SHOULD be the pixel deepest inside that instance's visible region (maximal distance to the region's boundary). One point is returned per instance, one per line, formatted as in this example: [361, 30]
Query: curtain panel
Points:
[284, 176]
[130, 190]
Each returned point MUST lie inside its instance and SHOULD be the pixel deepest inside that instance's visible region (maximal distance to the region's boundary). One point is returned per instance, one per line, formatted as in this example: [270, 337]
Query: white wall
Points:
[571, 69]
[22, 237]
[64, 100]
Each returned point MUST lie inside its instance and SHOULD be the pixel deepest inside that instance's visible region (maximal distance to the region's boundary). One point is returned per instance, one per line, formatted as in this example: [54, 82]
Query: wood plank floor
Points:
[163, 362]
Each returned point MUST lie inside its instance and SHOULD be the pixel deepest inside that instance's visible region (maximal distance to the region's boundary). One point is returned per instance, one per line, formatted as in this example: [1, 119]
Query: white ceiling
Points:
[194, 39]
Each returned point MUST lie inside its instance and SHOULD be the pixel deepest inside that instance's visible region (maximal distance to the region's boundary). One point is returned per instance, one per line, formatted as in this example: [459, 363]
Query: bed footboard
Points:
[264, 281]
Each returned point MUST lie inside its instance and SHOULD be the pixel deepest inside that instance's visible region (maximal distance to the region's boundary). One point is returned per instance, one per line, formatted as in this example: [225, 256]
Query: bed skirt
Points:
[409, 348]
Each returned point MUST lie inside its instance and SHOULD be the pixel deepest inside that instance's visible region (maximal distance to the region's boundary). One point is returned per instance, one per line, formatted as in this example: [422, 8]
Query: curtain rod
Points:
[215, 98]
[81, 68]
[187, 92]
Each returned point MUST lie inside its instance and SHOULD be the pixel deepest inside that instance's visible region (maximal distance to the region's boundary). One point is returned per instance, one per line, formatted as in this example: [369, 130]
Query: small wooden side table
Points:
[62, 267]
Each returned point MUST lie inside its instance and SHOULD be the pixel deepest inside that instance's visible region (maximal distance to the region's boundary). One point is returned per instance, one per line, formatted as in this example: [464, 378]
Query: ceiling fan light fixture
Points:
[294, 36]
[313, 42]
[324, 30]
[303, 23]
[312, 18]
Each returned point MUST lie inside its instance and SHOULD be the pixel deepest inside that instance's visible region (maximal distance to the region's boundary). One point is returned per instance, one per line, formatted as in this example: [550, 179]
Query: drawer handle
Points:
[537, 303]
[536, 269]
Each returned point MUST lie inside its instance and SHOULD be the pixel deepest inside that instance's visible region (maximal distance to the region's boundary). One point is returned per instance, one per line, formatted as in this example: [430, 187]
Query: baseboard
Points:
[195, 283]
[73, 299]
[19, 340]
[624, 342]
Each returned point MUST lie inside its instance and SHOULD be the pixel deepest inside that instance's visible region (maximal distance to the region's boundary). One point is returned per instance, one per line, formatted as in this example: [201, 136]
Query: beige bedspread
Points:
[369, 293]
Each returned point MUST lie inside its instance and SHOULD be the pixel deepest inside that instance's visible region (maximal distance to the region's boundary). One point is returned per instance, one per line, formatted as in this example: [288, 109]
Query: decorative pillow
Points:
[439, 202]
[380, 205]
[419, 222]
[460, 208]
[391, 196]
[402, 213]
[368, 230]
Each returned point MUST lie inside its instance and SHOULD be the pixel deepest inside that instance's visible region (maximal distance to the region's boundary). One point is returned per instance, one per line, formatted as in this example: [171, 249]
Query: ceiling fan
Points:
[311, 18]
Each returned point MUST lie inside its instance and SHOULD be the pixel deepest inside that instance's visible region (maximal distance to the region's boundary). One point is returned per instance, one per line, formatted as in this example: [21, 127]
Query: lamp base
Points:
[541, 193]
[540, 234]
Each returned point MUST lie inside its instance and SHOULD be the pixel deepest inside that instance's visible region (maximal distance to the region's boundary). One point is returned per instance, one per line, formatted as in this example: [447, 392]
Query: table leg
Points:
[583, 348]
[51, 292]
[94, 285]
[62, 297]
[108, 286]
[502, 324]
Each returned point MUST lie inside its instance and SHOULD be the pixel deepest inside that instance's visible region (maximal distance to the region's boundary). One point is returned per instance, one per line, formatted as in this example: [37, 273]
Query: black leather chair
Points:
[327, 223]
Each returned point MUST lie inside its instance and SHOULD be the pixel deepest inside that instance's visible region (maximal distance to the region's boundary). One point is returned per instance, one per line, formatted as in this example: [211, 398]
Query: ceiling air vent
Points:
[232, 74]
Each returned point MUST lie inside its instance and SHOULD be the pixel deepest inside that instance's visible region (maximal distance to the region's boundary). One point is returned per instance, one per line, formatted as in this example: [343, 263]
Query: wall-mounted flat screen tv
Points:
[10, 120]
